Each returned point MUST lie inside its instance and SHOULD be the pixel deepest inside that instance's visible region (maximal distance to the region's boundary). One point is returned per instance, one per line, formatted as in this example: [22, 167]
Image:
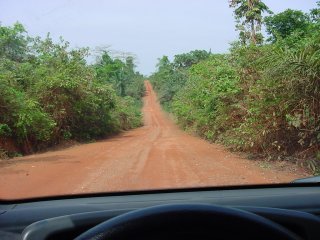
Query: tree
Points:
[118, 72]
[13, 42]
[315, 13]
[248, 14]
[285, 23]
[130, 64]
[163, 64]
[186, 60]
[111, 70]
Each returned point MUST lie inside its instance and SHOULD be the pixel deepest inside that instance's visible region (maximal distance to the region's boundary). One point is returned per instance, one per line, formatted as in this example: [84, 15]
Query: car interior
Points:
[288, 211]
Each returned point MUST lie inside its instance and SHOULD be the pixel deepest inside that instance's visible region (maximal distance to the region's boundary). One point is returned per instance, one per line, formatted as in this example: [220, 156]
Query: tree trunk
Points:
[253, 33]
[253, 37]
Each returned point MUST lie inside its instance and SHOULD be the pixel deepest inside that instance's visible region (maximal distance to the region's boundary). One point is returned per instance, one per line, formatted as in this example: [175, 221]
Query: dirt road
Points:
[158, 155]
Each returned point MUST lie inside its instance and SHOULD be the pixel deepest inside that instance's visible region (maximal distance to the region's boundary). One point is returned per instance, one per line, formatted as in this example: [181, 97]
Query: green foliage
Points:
[263, 99]
[135, 88]
[33, 123]
[13, 42]
[186, 60]
[207, 101]
[21, 117]
[315, 13]
[49, 93]
[128, 113]
[120, 74]
[171, 77]
[285, 23]
[5, 130]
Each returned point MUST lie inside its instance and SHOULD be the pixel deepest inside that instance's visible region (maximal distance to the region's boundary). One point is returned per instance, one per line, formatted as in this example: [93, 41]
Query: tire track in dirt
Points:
[156, 156]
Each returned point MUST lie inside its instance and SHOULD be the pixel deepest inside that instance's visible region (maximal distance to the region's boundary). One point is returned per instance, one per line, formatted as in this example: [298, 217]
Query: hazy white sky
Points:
[148, 28]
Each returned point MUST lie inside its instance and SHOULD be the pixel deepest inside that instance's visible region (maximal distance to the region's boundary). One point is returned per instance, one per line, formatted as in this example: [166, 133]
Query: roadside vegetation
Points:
[263, 97]
[49, 93]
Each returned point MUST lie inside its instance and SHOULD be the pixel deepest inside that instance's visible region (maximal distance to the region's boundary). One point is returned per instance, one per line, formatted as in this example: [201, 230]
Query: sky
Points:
[147, 28]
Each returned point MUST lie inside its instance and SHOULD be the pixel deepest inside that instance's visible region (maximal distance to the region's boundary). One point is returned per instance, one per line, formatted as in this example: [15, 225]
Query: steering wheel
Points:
[188, 221]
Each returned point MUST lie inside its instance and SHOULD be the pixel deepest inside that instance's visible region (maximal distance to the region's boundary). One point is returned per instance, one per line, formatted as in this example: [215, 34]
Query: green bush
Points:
[207, 101]
[127, 114]
[48, 92]
[263, 99]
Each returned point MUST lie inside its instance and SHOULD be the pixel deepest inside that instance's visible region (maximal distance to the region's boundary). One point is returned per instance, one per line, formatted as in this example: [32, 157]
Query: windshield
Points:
[112, 96]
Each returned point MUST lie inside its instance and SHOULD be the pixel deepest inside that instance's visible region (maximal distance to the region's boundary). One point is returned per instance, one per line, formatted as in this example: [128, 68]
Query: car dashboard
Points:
[295, 207]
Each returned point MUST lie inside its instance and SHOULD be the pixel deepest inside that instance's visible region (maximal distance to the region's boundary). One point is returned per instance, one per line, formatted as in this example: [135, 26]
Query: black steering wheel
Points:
[188, 221]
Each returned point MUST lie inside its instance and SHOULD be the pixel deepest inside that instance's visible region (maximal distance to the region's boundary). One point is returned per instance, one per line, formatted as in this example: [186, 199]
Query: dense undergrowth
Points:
[263, 99]
[49, 93]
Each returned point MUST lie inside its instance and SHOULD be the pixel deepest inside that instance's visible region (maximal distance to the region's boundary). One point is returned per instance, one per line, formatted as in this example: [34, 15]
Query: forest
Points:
[49, 93]
[263, 96]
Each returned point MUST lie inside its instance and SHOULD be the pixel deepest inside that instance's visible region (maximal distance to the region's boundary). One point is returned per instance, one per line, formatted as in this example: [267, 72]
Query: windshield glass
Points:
[108, 96]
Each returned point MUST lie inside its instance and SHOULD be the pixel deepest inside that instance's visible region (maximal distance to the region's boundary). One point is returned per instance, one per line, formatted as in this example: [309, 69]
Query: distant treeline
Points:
[263, 97]
[49, 93]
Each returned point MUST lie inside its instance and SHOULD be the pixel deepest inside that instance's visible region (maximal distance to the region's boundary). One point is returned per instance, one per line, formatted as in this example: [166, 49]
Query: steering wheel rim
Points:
[188, 220]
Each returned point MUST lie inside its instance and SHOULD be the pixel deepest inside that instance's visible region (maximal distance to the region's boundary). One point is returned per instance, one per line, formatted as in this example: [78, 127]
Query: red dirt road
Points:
[157, 155]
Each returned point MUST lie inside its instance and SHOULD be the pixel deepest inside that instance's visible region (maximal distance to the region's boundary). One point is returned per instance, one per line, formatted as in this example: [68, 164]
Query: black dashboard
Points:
[296, 207]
